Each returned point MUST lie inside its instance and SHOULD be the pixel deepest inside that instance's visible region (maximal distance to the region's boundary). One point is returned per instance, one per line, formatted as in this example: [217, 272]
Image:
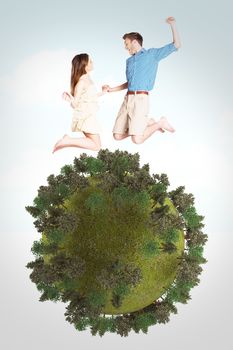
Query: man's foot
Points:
[151, 122]
[165, 125]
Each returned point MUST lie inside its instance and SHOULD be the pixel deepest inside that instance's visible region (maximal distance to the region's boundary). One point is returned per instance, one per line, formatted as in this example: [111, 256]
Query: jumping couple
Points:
[132, 119]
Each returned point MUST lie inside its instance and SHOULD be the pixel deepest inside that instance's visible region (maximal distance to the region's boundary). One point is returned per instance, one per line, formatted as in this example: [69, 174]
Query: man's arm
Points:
[116, 88]
[176, 39]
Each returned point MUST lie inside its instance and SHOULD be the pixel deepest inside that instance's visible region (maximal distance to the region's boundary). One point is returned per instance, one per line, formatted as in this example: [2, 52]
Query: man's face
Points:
[130, 46]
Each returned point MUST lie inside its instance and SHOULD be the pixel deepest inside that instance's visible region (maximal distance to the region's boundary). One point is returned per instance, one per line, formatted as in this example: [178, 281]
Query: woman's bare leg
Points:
[90, 141]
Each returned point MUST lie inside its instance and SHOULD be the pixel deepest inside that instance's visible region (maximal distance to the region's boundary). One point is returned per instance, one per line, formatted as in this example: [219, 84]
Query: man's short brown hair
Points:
[134, 36]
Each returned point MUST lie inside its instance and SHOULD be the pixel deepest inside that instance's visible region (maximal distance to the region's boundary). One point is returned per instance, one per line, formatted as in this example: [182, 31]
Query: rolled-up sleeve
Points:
[162, 52]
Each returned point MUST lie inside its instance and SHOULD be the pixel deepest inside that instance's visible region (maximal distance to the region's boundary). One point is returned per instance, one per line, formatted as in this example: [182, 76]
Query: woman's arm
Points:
[74, 99]
[77, 93]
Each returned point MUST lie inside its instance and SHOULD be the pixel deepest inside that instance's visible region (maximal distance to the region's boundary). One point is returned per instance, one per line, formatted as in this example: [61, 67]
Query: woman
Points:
[84, 100]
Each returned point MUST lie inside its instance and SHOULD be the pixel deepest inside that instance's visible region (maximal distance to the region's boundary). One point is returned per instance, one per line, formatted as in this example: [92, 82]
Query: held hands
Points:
[171, 20]
[105, 88]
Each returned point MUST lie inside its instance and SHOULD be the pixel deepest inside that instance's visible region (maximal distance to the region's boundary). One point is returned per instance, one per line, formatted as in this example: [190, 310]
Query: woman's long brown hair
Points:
[79, 63]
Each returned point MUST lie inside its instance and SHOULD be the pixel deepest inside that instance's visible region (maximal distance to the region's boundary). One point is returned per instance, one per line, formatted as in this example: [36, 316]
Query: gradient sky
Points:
[193, 89]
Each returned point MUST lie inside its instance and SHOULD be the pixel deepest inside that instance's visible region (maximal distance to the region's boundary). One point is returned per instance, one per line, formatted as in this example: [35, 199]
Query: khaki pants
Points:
[132, 117]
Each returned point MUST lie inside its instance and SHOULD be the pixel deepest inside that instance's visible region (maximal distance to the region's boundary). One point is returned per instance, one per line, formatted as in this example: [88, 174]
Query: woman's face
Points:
[89, 66]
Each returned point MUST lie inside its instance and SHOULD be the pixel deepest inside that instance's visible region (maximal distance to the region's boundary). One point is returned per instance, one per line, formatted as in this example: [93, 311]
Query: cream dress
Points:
[84, 114]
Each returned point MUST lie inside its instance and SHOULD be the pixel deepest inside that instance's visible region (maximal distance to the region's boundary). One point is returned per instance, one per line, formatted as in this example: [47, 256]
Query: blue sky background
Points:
[193, 89]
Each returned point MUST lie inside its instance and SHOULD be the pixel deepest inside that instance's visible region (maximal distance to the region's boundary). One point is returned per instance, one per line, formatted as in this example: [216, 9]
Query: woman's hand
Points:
[67, 97]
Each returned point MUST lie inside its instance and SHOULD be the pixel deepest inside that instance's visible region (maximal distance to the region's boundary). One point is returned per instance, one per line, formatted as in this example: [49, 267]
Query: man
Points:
[141, 69]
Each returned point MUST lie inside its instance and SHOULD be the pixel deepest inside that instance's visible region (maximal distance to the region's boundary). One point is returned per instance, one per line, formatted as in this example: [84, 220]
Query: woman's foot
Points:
[60, 143]
[165, 125]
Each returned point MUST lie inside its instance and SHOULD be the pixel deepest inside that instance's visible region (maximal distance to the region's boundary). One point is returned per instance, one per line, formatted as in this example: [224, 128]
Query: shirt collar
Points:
[140, 52]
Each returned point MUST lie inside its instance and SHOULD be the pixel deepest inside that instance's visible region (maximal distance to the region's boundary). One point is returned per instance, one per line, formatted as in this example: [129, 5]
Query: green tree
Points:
[41, 248]
[82, 324]
[158, 213]
[168, 247]
[188, 271]
[196, 254]
[151, 249]
[163, 178]
[102, 325]
[76, 310]
[95, 165]
[119, 292]
[181, 200]
[96, 203]
[80, 164]
[195, 238]
[120, 278]
[171, 235]
[96, 299]
[59, 267]
[193, 220]
[163, 310]
[158, 193]
[139, 181]
[162, 220]
[178, 293]
[123, 325]
[117, 272]
[142, 321]
[48, 292]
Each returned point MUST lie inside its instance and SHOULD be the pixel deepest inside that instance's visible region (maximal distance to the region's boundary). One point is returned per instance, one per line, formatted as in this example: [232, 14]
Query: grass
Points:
[107, 233]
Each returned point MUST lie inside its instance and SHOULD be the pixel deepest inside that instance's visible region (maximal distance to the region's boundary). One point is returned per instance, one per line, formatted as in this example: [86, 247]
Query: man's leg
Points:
[120, 129]
[150, 129]
[141, 127]
[151, 122]
[119, 137]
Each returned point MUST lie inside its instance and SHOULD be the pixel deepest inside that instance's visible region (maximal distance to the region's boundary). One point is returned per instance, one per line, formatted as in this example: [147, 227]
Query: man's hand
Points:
[171, 20]
[176, 39]
[116, 88]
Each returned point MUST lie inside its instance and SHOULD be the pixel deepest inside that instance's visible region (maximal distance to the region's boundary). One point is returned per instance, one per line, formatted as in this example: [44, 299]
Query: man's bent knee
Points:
[118, 136]
[137, 139]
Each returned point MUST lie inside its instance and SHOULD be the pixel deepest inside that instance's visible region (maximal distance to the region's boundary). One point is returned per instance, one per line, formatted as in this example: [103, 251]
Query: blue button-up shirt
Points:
[141, 68]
